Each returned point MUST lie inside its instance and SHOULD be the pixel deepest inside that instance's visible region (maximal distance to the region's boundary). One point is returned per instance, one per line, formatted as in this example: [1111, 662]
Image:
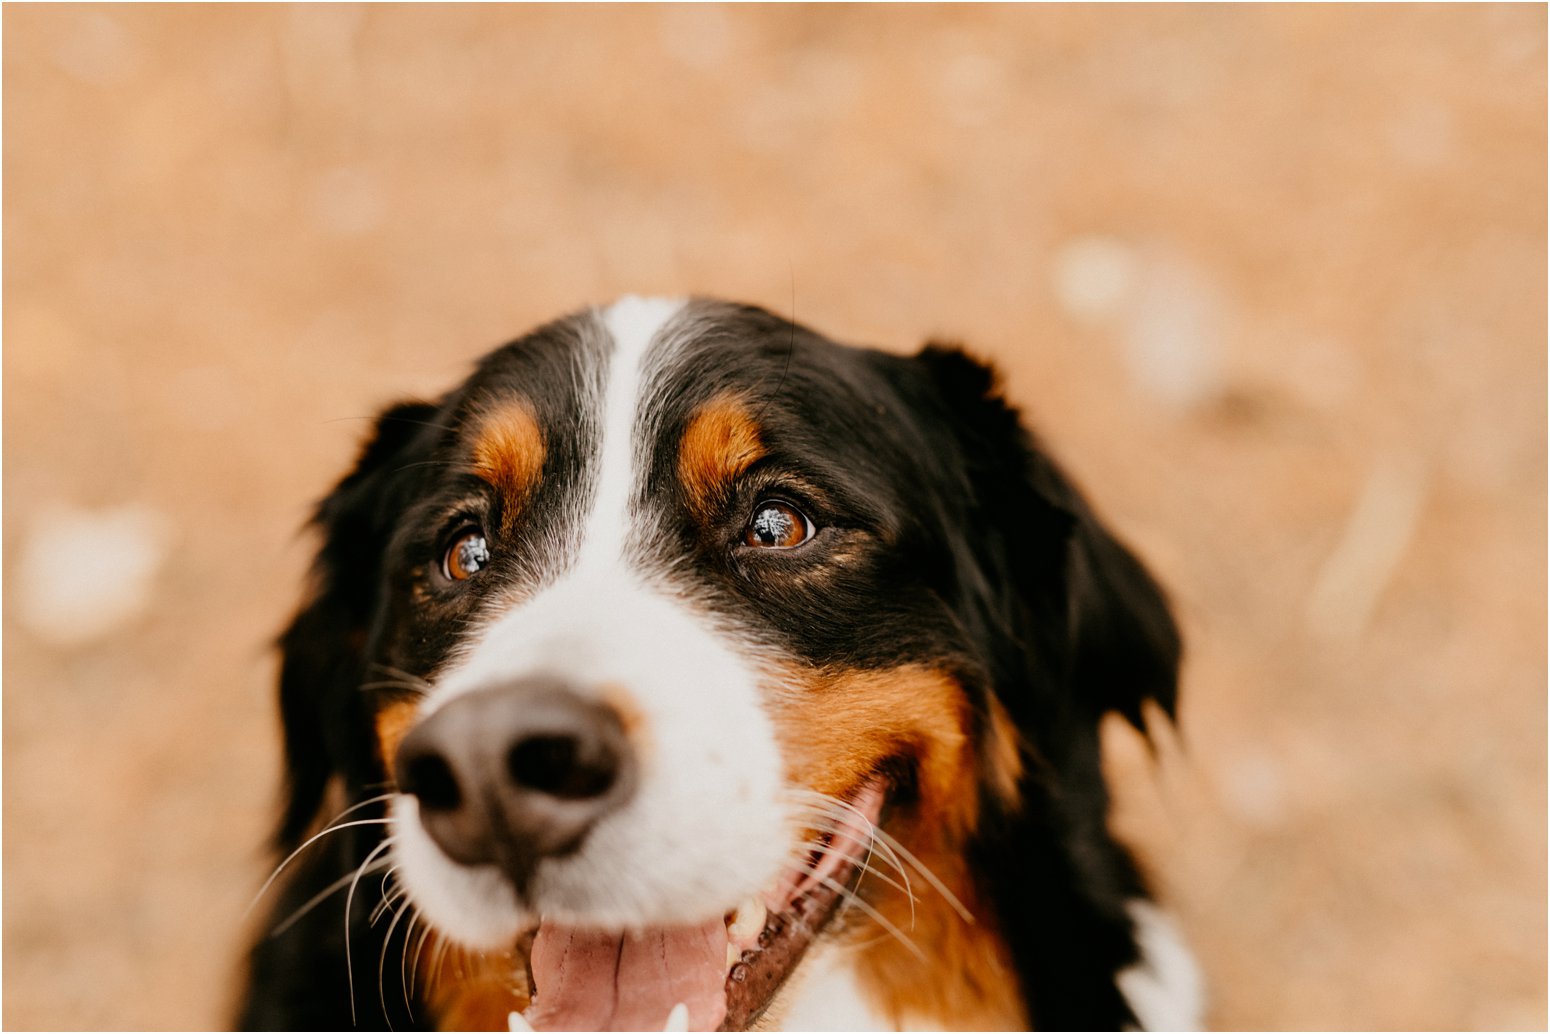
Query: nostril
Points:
[430, 778]
[556, 765]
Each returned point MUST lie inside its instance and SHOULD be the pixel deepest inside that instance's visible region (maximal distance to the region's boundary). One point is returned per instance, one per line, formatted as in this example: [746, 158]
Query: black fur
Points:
[964, 546]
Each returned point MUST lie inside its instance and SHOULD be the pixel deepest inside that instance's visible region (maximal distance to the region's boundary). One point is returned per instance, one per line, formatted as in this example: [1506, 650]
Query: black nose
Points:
[514, 774]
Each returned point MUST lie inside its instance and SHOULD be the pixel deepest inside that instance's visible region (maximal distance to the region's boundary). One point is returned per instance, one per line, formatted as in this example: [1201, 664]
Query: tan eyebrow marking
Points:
[720, 442]
[509, 453]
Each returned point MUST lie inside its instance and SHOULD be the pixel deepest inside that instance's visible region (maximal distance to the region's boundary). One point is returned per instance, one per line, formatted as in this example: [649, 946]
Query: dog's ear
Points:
[322, 652]
[1077, 603]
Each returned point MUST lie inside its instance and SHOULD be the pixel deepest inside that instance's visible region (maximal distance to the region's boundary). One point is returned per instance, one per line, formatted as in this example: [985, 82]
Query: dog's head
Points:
[655, 621]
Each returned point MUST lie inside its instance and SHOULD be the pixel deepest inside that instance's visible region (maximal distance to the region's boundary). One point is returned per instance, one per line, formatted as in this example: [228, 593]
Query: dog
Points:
[684, 669]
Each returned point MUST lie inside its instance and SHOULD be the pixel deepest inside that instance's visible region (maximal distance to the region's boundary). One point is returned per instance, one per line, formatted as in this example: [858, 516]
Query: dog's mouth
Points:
[718, 975]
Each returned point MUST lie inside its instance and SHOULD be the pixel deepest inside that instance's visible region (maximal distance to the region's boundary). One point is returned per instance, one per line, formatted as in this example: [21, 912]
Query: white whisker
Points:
[438, 960]
[835, 820]
[884, 837]
[414, 965]
[402, 675]
[875, 915]
[317, 899]
[382, 958]
[835, 823]
[821, 849]
[389, 897]
[393, 684]
[312, 840]
[349, 963]
[404, 977]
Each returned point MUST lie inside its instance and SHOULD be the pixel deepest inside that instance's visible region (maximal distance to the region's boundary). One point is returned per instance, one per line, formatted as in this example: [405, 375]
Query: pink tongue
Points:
[591, 980]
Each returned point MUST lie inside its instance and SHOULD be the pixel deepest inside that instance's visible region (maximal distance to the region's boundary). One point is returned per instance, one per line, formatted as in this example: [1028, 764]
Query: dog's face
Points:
[664, 617]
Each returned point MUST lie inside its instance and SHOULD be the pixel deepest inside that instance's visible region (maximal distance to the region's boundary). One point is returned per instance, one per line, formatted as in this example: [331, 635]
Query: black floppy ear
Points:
[1070, 626]
[1125, 643]
[1080, 605]
[322, 652]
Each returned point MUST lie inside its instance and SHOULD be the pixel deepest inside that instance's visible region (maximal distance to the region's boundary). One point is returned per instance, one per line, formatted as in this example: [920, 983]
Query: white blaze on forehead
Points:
[634, 324]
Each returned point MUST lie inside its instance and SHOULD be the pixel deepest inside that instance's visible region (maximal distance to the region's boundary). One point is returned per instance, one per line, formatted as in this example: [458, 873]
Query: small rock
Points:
[83, 574]
[1094, 277]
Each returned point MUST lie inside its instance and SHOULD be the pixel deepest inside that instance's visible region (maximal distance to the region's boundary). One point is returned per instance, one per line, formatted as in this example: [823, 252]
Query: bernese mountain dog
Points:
[684, 669]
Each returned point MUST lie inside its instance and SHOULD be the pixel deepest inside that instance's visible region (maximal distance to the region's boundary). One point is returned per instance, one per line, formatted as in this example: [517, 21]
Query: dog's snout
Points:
[513, 774]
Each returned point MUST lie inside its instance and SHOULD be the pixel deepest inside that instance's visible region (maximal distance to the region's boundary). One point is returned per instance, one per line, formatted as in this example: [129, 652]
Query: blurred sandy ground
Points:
[1272, 280]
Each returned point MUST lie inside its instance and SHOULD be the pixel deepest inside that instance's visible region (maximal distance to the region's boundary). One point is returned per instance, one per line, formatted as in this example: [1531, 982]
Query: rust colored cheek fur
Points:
[469, 990]
[393, 723]
[836, 728]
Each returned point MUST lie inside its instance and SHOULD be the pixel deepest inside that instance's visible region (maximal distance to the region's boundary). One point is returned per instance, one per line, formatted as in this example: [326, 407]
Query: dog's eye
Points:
[467, 556]
[777, 525]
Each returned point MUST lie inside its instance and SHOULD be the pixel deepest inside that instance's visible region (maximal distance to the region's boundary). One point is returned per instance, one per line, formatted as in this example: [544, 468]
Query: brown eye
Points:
[777, 525]
[467, 556]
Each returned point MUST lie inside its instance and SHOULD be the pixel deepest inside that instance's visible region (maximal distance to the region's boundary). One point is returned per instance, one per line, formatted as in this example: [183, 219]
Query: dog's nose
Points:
[513, 774]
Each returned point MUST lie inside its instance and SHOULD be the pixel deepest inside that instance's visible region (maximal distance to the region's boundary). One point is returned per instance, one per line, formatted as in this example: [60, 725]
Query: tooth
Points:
[733, 955]
[747, 921]
[517, 1024]
[678, 1019]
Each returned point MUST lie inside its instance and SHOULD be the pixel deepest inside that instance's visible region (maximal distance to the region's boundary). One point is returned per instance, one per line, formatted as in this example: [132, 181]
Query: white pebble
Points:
[1094, 277]
[84, 574]
[1174, 334]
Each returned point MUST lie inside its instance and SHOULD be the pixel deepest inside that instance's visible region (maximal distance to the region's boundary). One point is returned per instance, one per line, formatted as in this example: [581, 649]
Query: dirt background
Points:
[1272, 281]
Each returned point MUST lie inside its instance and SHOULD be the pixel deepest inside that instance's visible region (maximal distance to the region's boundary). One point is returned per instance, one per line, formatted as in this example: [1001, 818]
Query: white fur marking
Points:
[633, 324]
[825, 994]
[1164, 988]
